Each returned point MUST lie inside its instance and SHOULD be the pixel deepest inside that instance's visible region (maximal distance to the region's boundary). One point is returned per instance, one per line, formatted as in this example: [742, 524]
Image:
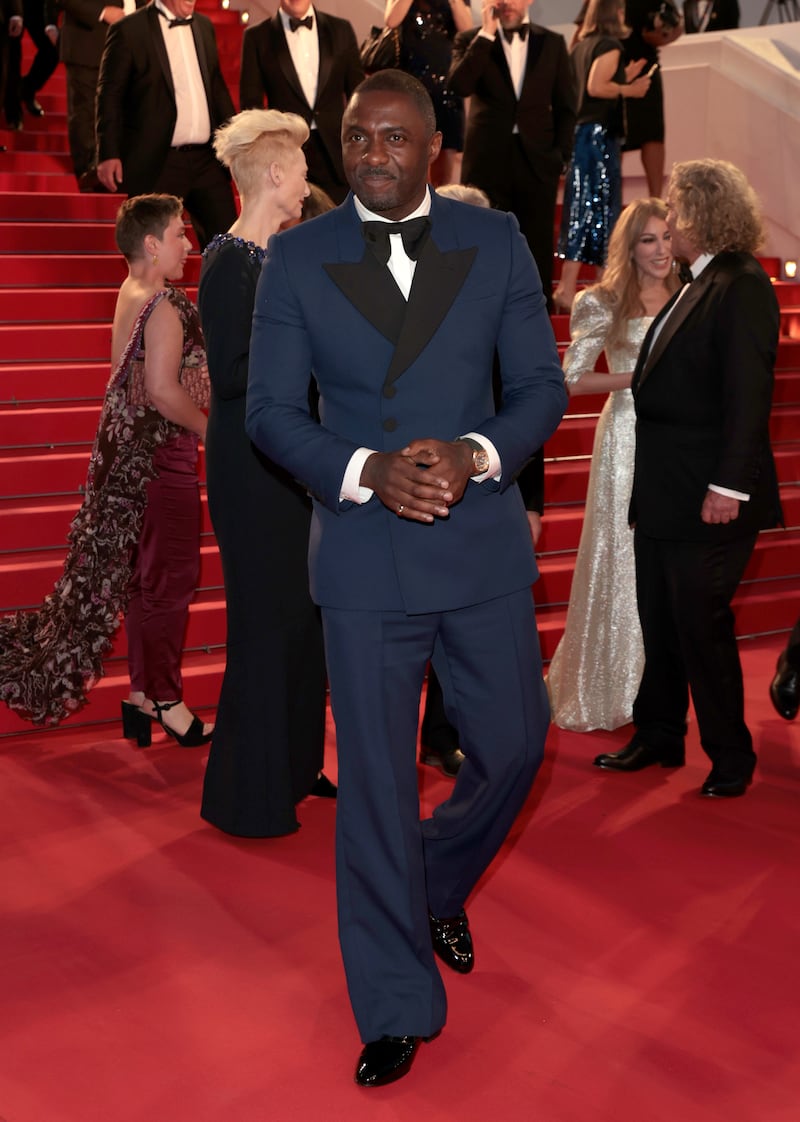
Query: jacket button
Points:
[389, 391]
[389, 425]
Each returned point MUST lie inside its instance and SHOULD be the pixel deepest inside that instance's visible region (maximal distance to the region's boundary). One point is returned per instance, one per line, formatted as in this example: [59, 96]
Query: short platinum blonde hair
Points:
[464, 193]
[715, 206]
[256, 138]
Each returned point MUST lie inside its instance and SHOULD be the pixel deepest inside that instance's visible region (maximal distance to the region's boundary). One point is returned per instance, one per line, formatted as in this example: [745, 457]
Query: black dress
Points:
[268, 740]
[426, 51]
[644, 117]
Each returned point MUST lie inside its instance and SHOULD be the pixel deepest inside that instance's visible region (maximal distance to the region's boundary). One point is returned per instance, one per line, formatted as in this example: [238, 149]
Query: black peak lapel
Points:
[371, 289]
[689, 300]
[438, 279]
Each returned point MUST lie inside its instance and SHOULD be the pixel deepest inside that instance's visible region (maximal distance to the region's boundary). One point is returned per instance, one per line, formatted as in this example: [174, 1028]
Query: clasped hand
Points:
[421, 481]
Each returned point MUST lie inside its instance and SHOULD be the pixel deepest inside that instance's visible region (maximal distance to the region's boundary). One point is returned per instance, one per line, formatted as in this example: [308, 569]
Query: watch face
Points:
[480, 461]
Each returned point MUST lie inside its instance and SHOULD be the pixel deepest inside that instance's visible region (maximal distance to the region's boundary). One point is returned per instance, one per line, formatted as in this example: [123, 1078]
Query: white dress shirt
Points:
[193, 123]
[303, 46]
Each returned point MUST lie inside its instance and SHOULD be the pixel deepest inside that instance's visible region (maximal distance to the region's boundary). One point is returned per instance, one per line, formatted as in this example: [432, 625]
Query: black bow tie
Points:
[522, 31]
[175, 22]
[414, 233]
[295, 23]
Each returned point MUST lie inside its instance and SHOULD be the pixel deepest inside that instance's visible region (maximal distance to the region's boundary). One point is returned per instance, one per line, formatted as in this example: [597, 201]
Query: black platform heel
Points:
[136, 724]
[194, 735]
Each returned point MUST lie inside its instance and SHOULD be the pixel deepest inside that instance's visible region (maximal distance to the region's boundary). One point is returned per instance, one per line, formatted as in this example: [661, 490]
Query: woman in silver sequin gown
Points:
[595, 671]
[428, 29]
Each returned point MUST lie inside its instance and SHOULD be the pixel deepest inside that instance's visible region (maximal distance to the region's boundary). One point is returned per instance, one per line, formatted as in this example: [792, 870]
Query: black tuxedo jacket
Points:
[724, 15]
[83, 33]
[268, 72]
[545, 113]
[136, 109]
[703, 394]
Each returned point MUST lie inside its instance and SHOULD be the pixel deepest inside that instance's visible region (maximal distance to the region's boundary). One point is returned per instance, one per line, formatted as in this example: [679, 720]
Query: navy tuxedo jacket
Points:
[136, 110]
[703, 396]
[389, 372]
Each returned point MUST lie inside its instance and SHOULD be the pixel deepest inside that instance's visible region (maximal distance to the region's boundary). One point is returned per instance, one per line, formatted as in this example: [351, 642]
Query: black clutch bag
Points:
[381, 49]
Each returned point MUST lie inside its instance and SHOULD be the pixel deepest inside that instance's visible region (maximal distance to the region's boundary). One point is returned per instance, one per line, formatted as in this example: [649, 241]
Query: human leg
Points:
[376, 664]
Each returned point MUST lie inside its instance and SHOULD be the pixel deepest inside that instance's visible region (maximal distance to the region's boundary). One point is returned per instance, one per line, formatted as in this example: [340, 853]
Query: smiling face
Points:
[172, 248]
[181, 9]
[387, 149]
[652, 253]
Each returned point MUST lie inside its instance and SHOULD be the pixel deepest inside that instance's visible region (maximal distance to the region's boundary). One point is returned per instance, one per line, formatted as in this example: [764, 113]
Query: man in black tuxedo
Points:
[704, 478]
[160, 98]
[83, 36]
[521, 122]
[306, 62]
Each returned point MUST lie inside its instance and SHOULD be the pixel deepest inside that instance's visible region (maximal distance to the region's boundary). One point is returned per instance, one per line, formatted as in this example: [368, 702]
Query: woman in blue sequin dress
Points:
[428, 28]
[266, 752]
[593, 183]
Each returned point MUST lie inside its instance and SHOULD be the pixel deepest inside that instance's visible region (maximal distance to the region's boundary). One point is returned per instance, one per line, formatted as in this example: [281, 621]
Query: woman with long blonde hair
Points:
[595, 671]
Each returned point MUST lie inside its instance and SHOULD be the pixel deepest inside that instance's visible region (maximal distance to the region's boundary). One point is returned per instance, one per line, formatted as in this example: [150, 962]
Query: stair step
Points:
[26, 578]
[54, 381]
[73, 270]
[26, 474]
[202, 678]
[70, 341]
[61, 305]
[18, 206]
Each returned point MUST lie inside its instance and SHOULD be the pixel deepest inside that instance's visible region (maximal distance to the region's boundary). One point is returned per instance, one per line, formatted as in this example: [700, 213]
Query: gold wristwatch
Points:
[480, 457]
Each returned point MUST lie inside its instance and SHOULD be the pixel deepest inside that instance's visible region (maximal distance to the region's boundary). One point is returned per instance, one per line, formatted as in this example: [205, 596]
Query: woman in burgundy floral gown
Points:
[134, 543]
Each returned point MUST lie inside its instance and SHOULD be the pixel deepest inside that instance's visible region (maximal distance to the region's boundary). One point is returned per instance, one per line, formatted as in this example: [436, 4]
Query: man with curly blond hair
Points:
[704, 478]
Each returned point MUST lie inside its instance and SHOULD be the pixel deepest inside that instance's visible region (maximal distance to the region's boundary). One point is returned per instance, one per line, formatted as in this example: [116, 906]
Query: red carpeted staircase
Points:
[59, 271]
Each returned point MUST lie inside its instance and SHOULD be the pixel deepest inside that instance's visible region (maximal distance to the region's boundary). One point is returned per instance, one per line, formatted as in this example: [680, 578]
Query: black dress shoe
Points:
[452, 941]
[323, 788]
[33, 106]
[637, 755]
[785, 689]
[715, 788]
[448, 759]
[385, 1060]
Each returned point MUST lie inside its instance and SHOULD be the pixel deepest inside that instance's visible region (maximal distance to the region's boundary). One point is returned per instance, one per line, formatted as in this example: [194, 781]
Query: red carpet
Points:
[636, 948]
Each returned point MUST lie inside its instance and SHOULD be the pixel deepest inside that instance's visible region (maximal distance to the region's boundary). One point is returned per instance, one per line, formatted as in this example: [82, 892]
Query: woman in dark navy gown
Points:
[267, 749]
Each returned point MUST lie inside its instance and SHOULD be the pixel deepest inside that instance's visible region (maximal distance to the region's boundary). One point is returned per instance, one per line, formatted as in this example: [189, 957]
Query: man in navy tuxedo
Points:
[420, 548]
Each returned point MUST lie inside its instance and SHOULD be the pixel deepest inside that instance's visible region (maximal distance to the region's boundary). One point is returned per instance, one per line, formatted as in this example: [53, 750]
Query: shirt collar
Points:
[366, 215]
[700, 264]
[285, 17]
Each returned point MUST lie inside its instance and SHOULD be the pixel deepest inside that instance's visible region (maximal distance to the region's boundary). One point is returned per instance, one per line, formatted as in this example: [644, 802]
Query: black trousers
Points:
[195, 175]
[81, 91]
[321, 170]
[684, 591]
[532, 201]
[44, 61]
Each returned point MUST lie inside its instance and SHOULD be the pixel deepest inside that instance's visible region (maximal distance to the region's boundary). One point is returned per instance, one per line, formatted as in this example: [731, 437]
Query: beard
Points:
[373, 190]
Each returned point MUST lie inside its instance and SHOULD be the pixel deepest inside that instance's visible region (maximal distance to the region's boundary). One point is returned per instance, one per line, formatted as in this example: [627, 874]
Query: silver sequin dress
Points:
[595, 672]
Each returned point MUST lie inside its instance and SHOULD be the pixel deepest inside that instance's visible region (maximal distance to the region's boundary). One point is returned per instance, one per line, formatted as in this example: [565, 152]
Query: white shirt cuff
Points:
[495, 469]
[728, 493]
[351, 490]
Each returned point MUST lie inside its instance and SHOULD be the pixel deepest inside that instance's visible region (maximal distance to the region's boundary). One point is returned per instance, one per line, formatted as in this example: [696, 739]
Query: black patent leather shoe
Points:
[715, 788]
[385, 1060]
[448, 759]
[784, 690]
[33, 106]
[452, 941]
[637, 755]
